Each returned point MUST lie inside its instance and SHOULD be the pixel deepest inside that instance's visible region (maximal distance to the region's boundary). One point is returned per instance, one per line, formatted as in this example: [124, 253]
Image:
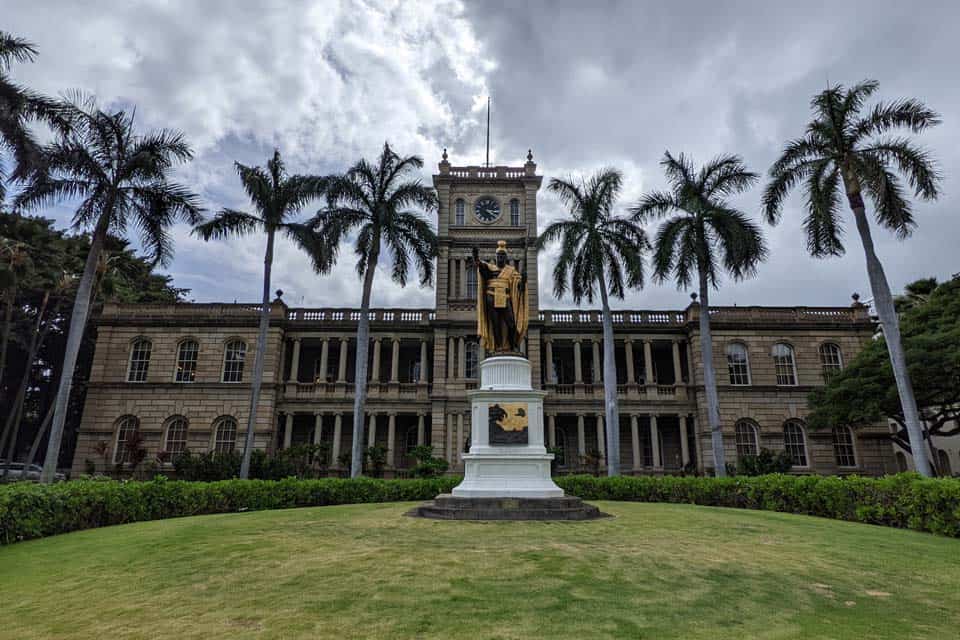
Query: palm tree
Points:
[119, 178]
[382, 201]
[18, 107]
[849, 149]
[708, 235]
[599, 253]
[277, 198]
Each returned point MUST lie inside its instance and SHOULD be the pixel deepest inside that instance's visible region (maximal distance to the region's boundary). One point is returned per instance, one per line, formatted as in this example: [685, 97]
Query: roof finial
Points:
[444, 153]
[529, 155]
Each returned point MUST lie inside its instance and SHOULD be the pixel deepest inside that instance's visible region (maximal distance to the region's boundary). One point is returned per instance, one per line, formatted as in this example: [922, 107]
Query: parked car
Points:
[16, 472]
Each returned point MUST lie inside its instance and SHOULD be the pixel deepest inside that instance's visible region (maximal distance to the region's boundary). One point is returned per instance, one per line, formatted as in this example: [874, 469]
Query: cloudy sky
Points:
[585, 85]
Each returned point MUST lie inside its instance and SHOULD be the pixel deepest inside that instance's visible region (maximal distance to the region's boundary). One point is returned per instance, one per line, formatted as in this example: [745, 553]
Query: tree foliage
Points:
[865, 392]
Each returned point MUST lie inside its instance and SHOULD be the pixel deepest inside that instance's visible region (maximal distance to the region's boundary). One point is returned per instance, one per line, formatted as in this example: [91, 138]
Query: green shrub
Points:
[766, 462]
[907, 501]
[428, 465]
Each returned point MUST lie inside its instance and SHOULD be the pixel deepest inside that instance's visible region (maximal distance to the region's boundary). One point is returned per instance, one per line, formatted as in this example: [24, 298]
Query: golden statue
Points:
[502, 314]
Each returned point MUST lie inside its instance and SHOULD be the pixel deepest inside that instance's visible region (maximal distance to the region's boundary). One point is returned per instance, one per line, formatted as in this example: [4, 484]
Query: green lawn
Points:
[654, 571]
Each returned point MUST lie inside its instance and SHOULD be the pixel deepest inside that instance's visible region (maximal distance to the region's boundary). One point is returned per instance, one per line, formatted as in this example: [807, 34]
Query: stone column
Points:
[324, 358]
[391, 438]
[581, 438]
[577, 363]
[372, 430]
[295, 361]
[451, 345]
[597, 366]
[420, 429]
[677, 378]
[459, 441]
[548, 360]
[342, 369]
[395, 361]
[601, 440]
[288, 431]
[635, 441]
[375, 365]
[655, 442]
[449, 440]
[684, 445]
[317, 427]
[551, 430]
[628, 356]
[337, 426]
[648, 362]
[461, 358]
[463, 278]
[423, 362]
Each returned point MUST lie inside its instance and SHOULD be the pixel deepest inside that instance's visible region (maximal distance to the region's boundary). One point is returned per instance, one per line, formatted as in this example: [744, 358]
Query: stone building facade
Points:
[179, 374]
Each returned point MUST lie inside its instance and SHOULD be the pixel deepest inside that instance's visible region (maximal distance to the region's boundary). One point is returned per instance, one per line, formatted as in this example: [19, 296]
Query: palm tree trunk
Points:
[710, 379]
[612, 424]
[363, 343]
[883, 301]
[257, 380]
[8, 323]
[16, 411]
[78, 323]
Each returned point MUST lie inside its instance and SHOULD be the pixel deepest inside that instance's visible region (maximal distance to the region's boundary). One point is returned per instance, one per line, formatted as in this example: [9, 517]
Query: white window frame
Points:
[214, 440]
[122, 422]
[243, 361]
[803, 440]
[196, 361]
[133, 350]
[170, 422]
[852, 444]
[831, 367]
[793, 364]
[459, 212]
[755, 436]
[515, 212]
[746, 363]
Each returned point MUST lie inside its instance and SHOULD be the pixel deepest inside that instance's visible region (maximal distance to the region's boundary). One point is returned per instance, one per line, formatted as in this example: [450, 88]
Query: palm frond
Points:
[912, 161]
[893, 210]
[655, 204]
[13, 49]
[822, 223]
[227, 223]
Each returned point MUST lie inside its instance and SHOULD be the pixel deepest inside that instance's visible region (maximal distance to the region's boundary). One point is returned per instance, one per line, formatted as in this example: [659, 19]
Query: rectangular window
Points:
[139, 361]
[187, 361]
[460, 208]
[515, 213]
[233, 359]
[843, 447]
[784, 365]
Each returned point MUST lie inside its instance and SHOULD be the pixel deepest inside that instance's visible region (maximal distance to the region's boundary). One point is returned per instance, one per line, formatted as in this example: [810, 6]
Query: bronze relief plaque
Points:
[508, 422]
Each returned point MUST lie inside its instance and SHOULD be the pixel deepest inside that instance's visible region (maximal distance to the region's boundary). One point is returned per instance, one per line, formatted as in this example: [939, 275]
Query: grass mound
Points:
[359, 571]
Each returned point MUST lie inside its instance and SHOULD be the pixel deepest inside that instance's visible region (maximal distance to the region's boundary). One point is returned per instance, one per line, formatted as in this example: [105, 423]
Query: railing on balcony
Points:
[392, 316]
[487, 173]
[674, 318]
[791, 315]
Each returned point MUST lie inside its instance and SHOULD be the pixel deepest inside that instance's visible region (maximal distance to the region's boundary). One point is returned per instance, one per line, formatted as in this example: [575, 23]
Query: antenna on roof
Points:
[488, 131]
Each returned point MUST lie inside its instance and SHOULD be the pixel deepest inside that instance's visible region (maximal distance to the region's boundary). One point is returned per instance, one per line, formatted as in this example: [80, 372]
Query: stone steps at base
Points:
[567, 508]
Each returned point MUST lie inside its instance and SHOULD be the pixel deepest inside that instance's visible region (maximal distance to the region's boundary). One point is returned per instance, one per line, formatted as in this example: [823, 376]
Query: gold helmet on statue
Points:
[501, 246]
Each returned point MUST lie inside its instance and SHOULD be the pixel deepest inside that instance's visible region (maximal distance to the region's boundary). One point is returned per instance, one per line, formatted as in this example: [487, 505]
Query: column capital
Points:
[547, 338]
[317, 413]
[392, 414]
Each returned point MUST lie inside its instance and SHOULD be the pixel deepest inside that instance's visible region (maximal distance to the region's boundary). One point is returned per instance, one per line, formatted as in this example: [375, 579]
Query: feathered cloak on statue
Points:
[518, 302]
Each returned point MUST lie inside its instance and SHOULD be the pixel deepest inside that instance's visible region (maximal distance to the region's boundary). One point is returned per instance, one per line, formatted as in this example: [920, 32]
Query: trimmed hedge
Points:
[906, 500]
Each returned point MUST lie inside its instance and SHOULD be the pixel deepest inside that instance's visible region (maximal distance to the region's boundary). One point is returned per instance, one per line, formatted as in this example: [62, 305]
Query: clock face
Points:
[486, 209]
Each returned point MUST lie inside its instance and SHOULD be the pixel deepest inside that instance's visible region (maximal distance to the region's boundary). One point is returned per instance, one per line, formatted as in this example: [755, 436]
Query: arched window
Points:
[126, 427]
[943, 462]
[473, 356]
[224, 434]
[234, 355]
[795, 442]
[830, 358]
[471, 280]
[901, 462]
[784, 364]
[175, 441]
[460, 208]
[747, 436]
[737, 363]
[139, 360]
[843, 450]
[187, 352]
[515, 212]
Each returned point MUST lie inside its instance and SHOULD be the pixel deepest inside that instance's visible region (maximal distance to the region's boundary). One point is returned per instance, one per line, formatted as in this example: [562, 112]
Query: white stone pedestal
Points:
[494, 470]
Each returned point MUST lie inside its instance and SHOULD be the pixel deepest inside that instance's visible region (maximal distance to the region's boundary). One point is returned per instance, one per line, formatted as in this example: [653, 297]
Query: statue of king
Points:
[502, 314]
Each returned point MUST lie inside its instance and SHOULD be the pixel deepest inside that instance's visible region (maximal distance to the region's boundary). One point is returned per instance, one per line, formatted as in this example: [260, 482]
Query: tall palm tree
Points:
[382, 201]
[19, 107]
[600, 253]
[708, 235]
[120, 179]
[849, 149]
[277, 198]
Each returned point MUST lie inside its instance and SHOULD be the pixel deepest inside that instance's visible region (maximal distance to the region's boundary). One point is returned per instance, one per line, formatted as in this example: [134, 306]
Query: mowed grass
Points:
[364, 571]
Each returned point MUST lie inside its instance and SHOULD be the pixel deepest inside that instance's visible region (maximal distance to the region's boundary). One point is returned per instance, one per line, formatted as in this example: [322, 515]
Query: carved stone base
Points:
[448, 507]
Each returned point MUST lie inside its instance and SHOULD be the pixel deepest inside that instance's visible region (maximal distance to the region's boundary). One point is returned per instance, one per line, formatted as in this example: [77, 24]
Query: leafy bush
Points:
[765, 463]
[906, 500]
[428, 465]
